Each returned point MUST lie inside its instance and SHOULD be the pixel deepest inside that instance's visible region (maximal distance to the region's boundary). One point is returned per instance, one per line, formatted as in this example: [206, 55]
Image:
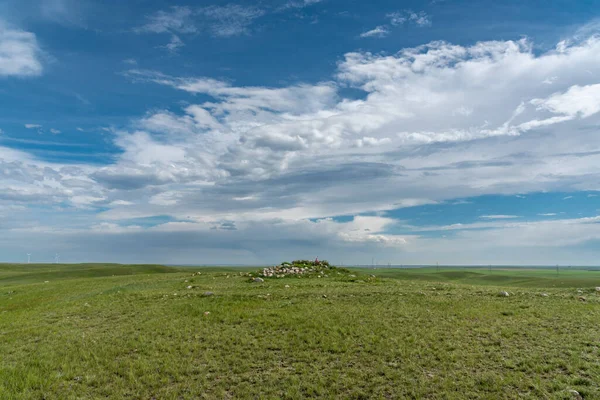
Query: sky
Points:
[203, 132]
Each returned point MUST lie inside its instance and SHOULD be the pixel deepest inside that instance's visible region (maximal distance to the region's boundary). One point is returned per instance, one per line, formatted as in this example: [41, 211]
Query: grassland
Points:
[111, 331]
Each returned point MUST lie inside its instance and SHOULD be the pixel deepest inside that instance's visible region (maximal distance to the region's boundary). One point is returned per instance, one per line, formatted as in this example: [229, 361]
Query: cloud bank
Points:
[257, 173]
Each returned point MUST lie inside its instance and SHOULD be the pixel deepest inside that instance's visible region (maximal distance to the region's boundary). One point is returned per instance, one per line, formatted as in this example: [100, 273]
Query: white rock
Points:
[287, 286]
[503, 294]
[597, 288]
[189, 287]
[258, 280]
[544, 295]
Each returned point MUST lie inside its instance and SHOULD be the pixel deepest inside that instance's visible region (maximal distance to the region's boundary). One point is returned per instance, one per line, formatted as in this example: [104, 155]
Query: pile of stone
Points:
[280, 271]
[296, 268]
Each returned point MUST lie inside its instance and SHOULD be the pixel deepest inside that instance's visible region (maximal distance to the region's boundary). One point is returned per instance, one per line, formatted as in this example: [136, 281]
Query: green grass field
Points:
[111, 331]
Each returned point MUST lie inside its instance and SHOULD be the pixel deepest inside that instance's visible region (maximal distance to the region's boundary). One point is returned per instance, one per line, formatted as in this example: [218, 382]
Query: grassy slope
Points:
[516, 277]
[31, 273]
[421, 335]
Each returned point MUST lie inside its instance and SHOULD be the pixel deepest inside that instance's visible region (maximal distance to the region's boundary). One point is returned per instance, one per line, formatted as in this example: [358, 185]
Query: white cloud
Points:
[401, 17]
[231, 19]
[582, 101]
[218, 21]
[32, 126]
[434, 123]
[176, 19]
[20, 54]
[498, 216]
[174, 44]
[121, 203]
[380, 31]
[54, 131]
[547, 214]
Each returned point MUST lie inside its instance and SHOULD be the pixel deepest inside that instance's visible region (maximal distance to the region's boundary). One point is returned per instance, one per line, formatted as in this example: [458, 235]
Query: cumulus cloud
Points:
[433, 123]
[20, 54]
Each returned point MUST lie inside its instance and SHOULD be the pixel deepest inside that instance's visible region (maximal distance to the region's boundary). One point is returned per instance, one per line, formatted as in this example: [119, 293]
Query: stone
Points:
[544, 295]
[206, 312]
[287, 286]
[597, 288]
[189, 287]
[503, 294]
[208, 294]
[581, 298]
[258, 280]
[324, 296]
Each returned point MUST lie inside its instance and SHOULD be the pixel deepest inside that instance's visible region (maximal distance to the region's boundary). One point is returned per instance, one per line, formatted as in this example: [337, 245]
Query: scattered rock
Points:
[206, 312]
[580, 291]
[287, 286]
[208, 294]
[189, 287]
[324, 296]
[581, 298]
[544, 295]
[46, 281]
[352, 276]
[258, 280]
[575, 393]
[373, 276]
[503, 294]
[597, 288]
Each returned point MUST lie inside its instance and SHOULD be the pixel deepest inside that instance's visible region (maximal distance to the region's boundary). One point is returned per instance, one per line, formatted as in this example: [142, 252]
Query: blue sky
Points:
[253, 132]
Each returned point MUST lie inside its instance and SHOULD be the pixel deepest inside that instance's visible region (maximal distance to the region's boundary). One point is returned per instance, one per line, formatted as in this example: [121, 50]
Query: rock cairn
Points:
[298, 268]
